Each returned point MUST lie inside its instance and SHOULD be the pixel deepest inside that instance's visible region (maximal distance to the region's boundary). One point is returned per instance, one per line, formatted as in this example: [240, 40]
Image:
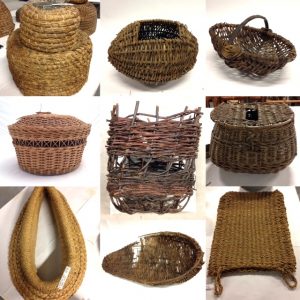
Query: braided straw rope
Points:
[88, 17]
[252, 234]
[162, 258]
[6, 22]
[23, 242]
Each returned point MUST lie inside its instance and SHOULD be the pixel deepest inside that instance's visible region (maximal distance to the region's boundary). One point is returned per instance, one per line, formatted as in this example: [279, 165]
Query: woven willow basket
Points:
[154, 51]
[151, 163]
[88, 17]
[251, 50]
[253, 138]
[6, 22]
[49, 144]
[162, 258]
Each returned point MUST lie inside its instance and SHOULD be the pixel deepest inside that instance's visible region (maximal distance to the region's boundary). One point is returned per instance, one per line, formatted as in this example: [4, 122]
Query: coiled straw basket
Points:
[49, 144]
[6, 22]
[151, 163]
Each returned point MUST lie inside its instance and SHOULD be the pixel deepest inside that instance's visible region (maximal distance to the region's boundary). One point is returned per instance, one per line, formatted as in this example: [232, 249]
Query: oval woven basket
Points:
[49, 28]
[251, 50]
[162, 258]
[49, 74]
[88, 17]
[151, 163]
[49, 144]
[253, 138]
[154, 51]
[6, 22]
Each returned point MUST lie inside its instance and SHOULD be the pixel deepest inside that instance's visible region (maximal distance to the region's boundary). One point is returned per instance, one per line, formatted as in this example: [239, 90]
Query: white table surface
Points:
[283, 17]
[84, 203]
[117, 14]
[217, 176]
[256, 286]
[87, 174]
[9, 88]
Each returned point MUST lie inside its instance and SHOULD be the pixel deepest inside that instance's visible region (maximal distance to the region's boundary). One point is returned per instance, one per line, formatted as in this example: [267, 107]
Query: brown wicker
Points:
[49, 28]
[265, 145]
[252, 234]
[78, 1]
[23, 271]
[162, 258]
[88, 17]
[49, 144]
[151, 163]
[154, 51]
[6, 22]
[49, 74]
[18, 13]
[251, 50]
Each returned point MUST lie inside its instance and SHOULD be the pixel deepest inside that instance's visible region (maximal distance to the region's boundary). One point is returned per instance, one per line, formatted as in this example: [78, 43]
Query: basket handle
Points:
[239, 28]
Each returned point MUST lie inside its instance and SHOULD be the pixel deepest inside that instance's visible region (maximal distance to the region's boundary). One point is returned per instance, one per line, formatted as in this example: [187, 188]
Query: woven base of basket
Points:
[50, 31]
[162, 258]
[23, 271]
[88, 17]
[54, 74]
[6, 22]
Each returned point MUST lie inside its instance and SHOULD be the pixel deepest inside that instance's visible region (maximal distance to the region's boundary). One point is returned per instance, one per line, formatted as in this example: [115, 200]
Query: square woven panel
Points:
[252, 234]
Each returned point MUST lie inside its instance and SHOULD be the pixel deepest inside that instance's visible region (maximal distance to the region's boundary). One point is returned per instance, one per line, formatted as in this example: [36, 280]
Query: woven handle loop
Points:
[239, 28]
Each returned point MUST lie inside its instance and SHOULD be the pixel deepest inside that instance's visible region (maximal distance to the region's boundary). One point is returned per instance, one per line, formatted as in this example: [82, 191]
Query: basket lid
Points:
[264, 114]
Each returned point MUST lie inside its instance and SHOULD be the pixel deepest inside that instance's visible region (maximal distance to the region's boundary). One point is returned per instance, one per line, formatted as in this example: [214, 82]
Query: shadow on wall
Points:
[7, 193]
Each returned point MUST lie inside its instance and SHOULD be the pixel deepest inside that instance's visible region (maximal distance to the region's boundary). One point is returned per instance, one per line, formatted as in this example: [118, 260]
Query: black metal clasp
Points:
[252, 114]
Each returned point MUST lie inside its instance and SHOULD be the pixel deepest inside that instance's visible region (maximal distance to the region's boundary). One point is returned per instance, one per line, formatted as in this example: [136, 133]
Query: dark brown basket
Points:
[6, 22]
[88, 17]
[49, 144]
[154, 51]
[251, 50]
[253, 138]
[151, 163]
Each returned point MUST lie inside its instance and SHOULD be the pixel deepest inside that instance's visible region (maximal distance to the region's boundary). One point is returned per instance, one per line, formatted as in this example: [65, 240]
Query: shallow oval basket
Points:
[154, 51]
[162, 258]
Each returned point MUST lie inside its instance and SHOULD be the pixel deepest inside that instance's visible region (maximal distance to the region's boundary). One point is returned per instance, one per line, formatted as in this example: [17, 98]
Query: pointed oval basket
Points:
[251, 50]
[162, 258]
[6, 22]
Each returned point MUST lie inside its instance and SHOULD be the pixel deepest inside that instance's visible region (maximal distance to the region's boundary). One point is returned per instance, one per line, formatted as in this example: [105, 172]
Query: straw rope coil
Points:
[252, 234]
[251, 50]
[154, 51]
[49, 28]
[88, 17]
[265, 145]
[22, 266]
[162, 258]
[151, 163]
[49, 144]
[6, 22]
[49, 74]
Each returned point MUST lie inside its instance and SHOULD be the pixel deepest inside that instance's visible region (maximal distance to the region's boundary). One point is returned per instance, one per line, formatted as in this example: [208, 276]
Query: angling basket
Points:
[6, 22]
[162, 258]
[251, 50]
[253, 138]
[49, 144]
[154, 51]
[88, 17]
[151, 163]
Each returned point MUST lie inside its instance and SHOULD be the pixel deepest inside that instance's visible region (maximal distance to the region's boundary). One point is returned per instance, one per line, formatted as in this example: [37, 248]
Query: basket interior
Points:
[154, 30]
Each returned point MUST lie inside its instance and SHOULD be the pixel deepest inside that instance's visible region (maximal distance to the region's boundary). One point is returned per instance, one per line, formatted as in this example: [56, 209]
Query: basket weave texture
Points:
[266, 145]
[154, 51]
[88, 17]
[6, 22]
[23, 271]
[49, 144]
[251, 50]
[151, 163]
[162, 258]
[252, 234]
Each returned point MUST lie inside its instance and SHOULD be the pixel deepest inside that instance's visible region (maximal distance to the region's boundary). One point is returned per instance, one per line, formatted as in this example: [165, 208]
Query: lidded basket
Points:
[6, 22]
[49, 144]
[253, 138]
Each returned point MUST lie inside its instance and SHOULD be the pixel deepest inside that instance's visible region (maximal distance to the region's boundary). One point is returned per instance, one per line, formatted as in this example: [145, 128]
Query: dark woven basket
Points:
[154, 51]
[251, 50]
[49, 144]
[253, 138]
[151, 163]
[88, 17]
[6, 22]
